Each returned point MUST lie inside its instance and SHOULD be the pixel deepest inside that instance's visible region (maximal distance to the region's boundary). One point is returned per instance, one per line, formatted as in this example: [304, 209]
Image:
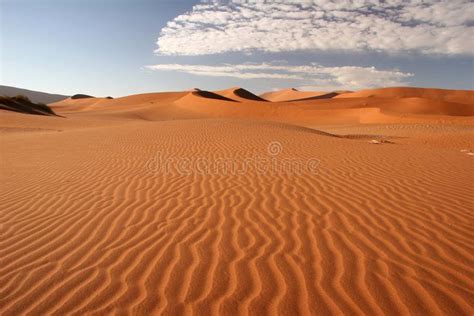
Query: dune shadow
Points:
[211, 95]
[248, 95]
[23, 104]
[319, 97]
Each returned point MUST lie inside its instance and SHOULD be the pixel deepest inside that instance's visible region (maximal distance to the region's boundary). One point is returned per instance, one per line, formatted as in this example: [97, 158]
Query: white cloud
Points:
[234, 71]
[428, 27]
[319, 77]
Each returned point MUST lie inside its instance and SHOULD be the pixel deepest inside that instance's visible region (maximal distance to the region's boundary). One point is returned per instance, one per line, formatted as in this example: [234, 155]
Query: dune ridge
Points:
[211, 95]
[240, 94]
[289, 94]
[292, 94]
[456, 96]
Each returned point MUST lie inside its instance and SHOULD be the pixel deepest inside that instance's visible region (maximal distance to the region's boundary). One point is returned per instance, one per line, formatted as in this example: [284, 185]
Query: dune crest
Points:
[456, 96]
[293, 94]
[240, 94]
[212, 95]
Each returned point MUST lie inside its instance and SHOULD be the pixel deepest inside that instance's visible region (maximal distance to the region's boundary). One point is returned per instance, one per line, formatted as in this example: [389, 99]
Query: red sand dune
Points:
[294, 94]
[205, 104]
[456, 96]
[240, 94]
[92, 223]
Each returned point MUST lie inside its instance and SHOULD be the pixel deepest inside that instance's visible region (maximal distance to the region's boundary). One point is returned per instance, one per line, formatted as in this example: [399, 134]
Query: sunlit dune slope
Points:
[456, 96]
[296, 95]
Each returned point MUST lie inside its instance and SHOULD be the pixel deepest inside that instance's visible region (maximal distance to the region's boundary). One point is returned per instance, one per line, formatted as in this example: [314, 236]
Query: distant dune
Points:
[81, 96]
[295, 95]
[220, 203]
[233, 103]
[211, 95]
[418, 105]
[240, 94]
[34, 96]
[457, 96]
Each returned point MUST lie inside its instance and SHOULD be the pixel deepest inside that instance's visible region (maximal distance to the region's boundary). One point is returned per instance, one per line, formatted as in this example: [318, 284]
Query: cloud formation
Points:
[428, 27]
[314, 75]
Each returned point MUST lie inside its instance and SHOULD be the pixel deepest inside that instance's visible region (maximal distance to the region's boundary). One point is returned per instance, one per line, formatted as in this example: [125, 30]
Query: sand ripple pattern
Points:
[89, 230]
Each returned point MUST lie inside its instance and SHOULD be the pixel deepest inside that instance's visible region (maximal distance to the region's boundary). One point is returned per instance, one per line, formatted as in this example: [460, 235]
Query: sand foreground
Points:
[179, 203]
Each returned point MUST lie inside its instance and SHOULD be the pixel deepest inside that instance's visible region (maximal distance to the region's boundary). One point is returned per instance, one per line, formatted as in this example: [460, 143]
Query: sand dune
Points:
[150, 204]
[428, 106]
[412, 105]
[240, 94]
[290, 94]
[212, 95]
[206, 104]
[456, 96]
[329, 95]
[297, 95]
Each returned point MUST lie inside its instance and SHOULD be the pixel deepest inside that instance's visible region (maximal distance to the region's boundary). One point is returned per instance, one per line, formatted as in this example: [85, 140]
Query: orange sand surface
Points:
[153, 204]
[296, 95]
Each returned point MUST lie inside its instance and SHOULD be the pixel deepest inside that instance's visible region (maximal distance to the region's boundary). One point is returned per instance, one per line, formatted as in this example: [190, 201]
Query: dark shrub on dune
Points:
[20, 98]
[81, 96]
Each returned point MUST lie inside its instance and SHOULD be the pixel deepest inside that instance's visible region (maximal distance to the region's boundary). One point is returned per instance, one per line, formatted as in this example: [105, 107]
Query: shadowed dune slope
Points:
[22, 104]
[361, 110]
[211, 95]
[329, 95]
[240, 94]
[295, 113]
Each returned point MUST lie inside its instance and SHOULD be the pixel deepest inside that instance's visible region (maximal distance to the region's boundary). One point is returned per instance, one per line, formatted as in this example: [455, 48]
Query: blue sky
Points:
[121, 47]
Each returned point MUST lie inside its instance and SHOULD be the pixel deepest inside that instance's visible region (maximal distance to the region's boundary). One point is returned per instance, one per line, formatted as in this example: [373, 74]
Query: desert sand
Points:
[293, 94]
[382, 224]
